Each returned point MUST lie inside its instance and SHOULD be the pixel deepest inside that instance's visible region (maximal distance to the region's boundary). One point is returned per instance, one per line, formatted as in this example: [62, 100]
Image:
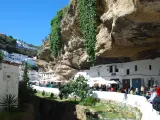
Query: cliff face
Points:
[126, 30]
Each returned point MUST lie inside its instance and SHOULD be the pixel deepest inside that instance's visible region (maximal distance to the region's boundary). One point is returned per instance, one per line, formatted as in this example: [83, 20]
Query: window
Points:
[110, 69]
[98, 73]
[136, 69]
[127, 72]
[116, 69]
[150, 67]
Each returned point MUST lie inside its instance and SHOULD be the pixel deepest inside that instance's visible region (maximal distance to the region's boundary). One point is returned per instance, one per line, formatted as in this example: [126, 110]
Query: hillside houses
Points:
[23, 45]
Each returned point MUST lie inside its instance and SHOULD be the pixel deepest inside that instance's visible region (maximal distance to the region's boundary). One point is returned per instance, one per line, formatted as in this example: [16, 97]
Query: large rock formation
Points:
[126, 30]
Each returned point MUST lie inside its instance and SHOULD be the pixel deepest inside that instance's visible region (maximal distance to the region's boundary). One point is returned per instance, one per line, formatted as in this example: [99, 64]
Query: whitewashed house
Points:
[46, 77]
[9, 79]
[32, 74]
[135, 74]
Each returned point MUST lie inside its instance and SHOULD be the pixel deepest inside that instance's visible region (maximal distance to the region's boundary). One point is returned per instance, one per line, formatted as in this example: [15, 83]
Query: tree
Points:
[25, 73]
[1, 56]
[78, 88]
[81, 88]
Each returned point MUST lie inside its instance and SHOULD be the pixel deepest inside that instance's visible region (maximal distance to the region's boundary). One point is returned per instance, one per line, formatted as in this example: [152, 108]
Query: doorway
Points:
[136, 83]
[126, 83]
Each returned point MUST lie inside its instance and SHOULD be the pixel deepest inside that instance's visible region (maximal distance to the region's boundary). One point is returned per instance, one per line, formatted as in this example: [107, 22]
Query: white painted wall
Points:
[32, 74]
[142, 72]
[9, 78]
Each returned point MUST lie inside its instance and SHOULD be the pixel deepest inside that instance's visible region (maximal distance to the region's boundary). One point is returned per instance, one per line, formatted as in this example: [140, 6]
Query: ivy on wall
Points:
[87, 18]
[55, 41]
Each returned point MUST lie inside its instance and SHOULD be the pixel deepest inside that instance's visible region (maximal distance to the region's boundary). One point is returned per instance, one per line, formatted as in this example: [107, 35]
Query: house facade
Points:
[9, 79]
[135, 74]
[32, 74]
[45, 77]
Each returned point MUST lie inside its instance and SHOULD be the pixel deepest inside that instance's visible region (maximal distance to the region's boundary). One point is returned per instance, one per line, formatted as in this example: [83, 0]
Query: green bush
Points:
[61, 96]
[35, 91]
[43, 93]
[89, 101]
[51, 95]
[78, 88]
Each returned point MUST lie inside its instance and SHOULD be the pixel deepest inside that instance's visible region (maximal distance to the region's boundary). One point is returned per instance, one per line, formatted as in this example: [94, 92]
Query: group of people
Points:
[152, 95]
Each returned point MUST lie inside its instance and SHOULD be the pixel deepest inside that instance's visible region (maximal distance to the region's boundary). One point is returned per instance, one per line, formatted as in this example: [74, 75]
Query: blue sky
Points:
[28, 20]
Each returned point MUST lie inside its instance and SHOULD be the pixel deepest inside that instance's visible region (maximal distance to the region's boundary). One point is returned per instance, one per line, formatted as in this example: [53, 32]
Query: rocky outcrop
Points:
[126, 30]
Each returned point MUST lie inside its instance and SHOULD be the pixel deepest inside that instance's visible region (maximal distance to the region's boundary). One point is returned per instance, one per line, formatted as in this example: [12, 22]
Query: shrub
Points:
[61, 96]
[51, 95]
[43, 93]
[78, 88]
[90, 101]
[35, 91]
[9, 102]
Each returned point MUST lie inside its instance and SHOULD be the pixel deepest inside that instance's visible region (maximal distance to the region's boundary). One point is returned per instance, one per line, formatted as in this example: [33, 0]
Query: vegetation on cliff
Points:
[8, 43]
[55, 42]
[87, 19]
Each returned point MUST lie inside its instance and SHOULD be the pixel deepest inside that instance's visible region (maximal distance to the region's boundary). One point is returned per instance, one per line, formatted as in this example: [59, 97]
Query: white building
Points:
[46, 77]
[135, 74]
[32, 74]
[9, 73]
[24, 45]
[14, 57]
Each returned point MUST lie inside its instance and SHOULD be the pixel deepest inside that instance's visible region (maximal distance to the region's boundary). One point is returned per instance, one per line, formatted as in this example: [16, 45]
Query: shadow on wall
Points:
[53, 110]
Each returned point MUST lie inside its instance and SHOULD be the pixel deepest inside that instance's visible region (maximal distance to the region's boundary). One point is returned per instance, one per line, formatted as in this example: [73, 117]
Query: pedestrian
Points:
[156, 100]
[132, 91]
[153, 95]
[137, 92]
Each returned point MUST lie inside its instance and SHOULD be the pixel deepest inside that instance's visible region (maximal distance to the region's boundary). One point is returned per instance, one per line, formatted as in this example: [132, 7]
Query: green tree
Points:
[78, 88]
[1, 56]
[25, 73]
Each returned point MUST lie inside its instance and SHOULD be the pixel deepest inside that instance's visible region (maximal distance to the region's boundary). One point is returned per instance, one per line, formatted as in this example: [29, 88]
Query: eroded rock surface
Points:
[126, 30]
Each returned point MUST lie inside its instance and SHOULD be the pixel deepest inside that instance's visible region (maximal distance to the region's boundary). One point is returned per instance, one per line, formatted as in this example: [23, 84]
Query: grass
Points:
[47, 96]
[113, 111]
[107, 111]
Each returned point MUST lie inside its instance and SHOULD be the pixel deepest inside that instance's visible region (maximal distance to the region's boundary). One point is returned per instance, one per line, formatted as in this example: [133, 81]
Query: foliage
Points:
[1, 56]
[89, 101]
[87, 18]
[9, 102]
[24, 89]
[78, 88]
[55, 41]
[25, 74]
[35, 91]
[66, 90]
[52, 95]
[8, 43]
[24, 92]
[43, 93]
